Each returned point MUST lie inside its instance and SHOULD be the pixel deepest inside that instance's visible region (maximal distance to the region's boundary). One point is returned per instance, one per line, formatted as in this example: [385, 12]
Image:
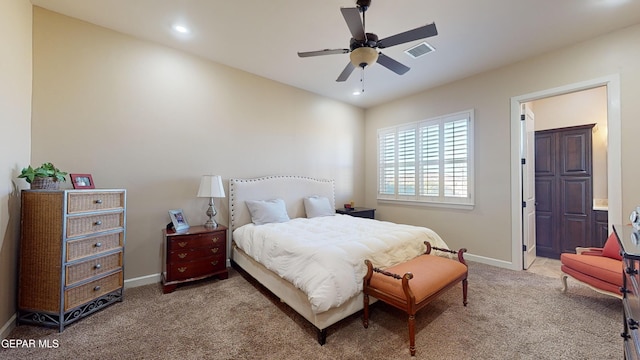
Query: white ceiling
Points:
[263, 36]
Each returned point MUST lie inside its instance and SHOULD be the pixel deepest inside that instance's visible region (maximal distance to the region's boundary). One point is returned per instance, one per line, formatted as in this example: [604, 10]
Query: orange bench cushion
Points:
[601, 268]
[431, 273]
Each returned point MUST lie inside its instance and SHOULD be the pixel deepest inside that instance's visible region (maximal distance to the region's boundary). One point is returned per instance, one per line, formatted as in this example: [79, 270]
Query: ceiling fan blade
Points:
[344, 75]
[352, 17]
[391, 64]
[411, 35]
[323, 52]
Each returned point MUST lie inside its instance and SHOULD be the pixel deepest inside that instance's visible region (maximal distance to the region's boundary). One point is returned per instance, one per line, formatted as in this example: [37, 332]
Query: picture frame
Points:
[178, 219]
[82, 181]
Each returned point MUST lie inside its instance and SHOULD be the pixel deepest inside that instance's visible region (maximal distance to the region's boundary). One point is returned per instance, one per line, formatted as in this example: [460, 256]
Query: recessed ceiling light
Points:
[181, 29]
[357, 92]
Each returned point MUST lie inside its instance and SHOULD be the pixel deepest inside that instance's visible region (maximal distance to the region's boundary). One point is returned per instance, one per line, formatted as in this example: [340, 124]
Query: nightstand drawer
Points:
[197, 241]
[198, 268]
[85, 225]
[176, 256]
[81, 294]
[94, 201]
[77, 249]
[94, 267]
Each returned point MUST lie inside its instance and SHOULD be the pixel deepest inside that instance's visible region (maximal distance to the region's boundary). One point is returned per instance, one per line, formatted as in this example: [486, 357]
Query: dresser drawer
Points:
[198, 268]
[197, 241]
[84, 293]
[94, 267]
[85, 225]
[186, 255]
[78, 202]
[77, 249]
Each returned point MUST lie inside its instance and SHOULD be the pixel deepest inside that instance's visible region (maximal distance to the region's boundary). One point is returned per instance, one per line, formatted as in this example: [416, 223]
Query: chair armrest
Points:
[589, 251]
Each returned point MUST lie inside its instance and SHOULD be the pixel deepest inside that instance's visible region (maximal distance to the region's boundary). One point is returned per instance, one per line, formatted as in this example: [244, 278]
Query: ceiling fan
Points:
[363, 45]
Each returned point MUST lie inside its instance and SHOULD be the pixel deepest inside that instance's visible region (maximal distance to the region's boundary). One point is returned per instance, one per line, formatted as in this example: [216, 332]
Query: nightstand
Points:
[193, 254]
[358, 212]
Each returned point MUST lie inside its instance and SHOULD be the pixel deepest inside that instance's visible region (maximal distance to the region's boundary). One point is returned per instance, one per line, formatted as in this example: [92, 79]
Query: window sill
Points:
[428, 204]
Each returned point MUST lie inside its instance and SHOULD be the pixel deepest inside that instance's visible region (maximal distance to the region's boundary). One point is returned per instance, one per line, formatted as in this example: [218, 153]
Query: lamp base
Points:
[211, 224]
[211, 212]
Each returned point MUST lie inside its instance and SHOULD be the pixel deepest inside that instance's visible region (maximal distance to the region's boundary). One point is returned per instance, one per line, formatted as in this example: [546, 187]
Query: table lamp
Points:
[211, 187]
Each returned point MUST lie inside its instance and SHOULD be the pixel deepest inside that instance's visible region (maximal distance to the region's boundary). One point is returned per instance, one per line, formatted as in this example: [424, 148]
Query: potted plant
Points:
[46, 176]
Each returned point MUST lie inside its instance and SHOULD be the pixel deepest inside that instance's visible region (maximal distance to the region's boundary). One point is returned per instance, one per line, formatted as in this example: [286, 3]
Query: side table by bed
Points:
[358, 212]
[193, 254]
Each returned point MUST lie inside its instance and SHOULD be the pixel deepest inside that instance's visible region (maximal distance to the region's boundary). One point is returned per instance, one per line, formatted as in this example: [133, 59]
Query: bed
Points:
[292, 191]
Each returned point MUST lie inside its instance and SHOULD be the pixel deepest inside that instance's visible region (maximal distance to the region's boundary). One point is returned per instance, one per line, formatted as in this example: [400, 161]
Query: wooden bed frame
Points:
[292, 189]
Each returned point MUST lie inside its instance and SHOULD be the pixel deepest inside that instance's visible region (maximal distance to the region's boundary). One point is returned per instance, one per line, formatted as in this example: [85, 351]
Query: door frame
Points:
[614, 154]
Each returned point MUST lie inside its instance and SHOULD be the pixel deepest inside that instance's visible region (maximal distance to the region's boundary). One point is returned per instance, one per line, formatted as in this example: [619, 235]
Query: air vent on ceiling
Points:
[419, 50]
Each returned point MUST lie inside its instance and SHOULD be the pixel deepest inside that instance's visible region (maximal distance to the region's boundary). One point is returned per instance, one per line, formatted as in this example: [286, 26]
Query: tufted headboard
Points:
[292, 189]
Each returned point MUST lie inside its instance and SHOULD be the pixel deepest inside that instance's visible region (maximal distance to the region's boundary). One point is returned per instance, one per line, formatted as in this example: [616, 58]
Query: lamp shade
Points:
[211, 186]
[363, 56]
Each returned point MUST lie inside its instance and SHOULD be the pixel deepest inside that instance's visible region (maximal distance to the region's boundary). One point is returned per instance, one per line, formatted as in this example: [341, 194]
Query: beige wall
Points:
[152, 120]
[15, 118]
[580, 108]
[486, 230]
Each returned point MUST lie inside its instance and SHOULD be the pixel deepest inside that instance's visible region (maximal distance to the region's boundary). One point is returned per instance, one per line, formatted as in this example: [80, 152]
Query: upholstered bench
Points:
[424, 279]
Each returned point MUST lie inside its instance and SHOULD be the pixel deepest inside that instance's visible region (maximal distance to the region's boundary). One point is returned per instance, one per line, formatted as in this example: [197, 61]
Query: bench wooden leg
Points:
[464, 292]
[412, 335]
[365, 318]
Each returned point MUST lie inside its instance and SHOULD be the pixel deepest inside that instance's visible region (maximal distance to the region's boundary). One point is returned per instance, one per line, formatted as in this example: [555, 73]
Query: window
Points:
[429, 161]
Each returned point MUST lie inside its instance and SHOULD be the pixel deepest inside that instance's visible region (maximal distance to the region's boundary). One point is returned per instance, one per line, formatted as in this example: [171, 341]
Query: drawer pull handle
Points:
[214, 263]
[215, 240]
[182, 269]
[98, 244]
[98, 266]
[631, 271]
[99, 201]
[214, 250]
[97, 288]
[182, 244]
[633, 325]
[182, 256]
[97, 223]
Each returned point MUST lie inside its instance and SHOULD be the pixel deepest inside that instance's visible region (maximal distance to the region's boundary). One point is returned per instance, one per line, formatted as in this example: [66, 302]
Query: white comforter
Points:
[324, 256]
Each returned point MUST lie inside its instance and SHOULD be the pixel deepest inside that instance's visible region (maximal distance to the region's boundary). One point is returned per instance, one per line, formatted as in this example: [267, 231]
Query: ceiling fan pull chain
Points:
[362, 78]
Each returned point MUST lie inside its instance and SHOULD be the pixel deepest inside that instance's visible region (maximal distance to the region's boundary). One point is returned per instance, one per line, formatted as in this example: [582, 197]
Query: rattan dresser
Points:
[71, 254]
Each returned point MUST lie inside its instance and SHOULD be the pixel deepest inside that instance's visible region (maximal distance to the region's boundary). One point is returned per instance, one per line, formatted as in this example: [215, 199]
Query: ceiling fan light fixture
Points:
[363, 56]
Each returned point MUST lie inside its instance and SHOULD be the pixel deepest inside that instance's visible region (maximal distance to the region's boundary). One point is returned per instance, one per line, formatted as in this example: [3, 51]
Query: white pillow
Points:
[318, 206]
[267, 211]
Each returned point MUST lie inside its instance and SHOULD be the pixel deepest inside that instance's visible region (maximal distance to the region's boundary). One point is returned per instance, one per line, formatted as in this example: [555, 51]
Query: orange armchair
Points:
[598, 268]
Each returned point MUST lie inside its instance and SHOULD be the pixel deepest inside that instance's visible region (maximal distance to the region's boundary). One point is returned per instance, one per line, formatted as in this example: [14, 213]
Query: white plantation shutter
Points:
[386, 163]
[455, 158]
[429, 161]
[407, 161]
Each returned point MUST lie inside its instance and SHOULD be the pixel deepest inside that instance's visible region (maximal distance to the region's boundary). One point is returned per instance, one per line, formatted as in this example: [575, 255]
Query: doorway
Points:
[612, 84]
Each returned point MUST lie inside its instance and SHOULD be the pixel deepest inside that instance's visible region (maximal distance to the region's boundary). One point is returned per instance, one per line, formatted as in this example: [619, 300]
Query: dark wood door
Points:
[564, 190]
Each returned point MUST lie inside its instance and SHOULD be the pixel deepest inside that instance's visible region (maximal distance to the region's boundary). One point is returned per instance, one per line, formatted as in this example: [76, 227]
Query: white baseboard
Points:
[143, 280]
[490, 261]
[8, 327]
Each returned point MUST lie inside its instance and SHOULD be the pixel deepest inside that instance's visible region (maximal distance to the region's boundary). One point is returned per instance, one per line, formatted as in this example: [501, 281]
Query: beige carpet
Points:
[511, 315]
